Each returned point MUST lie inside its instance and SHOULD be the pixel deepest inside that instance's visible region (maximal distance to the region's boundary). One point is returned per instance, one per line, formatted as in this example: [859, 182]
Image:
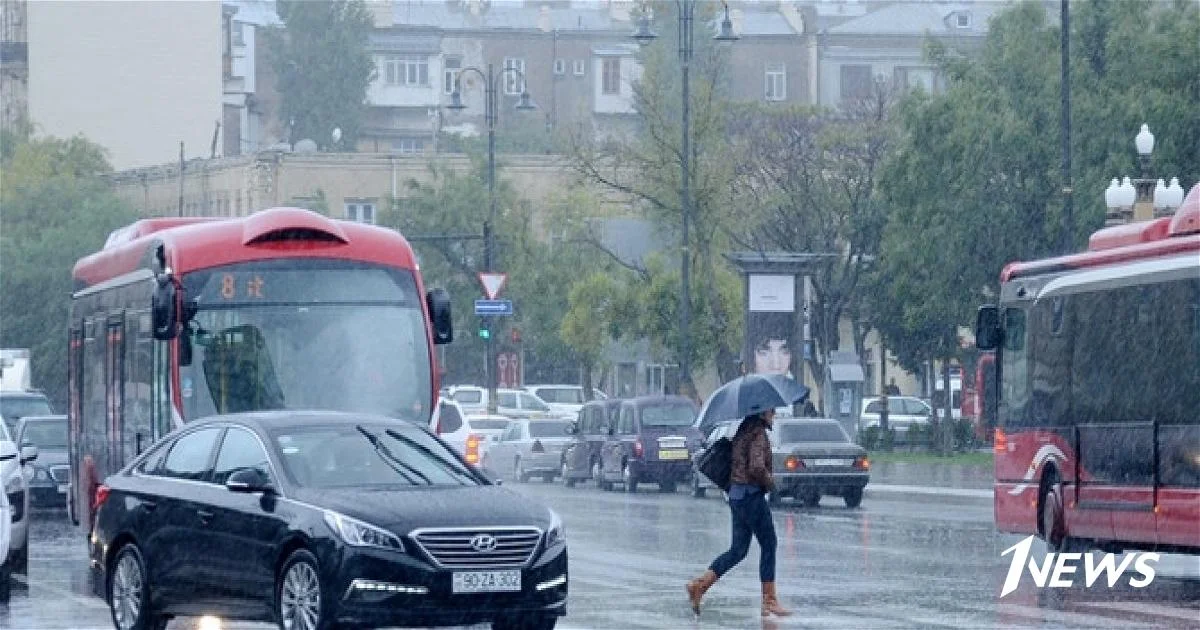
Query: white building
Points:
[135, 77]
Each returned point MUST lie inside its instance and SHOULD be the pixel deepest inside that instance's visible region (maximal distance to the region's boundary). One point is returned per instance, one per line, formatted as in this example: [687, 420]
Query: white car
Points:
[904, 412]
[564, 400]
[470, 398]
[511, 403]
[16, 490]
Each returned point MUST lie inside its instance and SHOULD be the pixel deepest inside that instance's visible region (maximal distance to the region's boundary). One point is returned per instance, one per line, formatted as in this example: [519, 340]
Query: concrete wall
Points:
[136, 77]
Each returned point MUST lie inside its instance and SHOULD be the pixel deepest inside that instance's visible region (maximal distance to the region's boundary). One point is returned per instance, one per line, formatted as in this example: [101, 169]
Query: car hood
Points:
[822, 449]
[402, 511]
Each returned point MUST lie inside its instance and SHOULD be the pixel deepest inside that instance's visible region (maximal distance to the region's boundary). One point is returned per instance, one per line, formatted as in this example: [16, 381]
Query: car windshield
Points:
[468, 396]
[668, 415]
[811, 432]
[331, 336]
[45, 434]
[548, 428]
[13, 408]
[561, 395]
[367, 456]
[488, 424]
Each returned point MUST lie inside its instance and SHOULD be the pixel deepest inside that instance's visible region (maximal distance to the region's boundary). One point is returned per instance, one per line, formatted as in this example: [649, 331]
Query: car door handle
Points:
[205, 516]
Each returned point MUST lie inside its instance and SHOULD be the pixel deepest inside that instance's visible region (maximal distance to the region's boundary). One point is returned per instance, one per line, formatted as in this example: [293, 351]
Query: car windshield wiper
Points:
[390, 458]
[395, 435]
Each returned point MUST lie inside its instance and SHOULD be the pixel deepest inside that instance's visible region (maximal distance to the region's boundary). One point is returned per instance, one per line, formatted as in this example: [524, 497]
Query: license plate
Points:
[62, 488]
[486, 581]
[832, 462]
[680, 454]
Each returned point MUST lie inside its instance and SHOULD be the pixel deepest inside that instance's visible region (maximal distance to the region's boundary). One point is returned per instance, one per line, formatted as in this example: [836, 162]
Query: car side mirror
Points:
[438, 302]
[29, 453]
[8, 451]
[163, 310]
[248, 480]
[988, 333]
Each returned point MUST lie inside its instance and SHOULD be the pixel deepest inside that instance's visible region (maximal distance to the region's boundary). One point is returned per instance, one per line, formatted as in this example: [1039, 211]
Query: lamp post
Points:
[1143, 198]
[491, 115]
[644, 35]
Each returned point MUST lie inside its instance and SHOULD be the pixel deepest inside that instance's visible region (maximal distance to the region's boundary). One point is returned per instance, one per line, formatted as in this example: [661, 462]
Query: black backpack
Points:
[716, 463]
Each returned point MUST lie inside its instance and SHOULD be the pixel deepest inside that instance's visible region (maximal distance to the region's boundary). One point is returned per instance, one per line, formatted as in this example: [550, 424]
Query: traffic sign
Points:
[493, 307]
[493, 283]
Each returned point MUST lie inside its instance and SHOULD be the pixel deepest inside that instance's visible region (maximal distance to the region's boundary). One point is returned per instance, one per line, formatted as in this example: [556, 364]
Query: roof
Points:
[919, 18]
[503, 15]
[199, 243]
[256, 12]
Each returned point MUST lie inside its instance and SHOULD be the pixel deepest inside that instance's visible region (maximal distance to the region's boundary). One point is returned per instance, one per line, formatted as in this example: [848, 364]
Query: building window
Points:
[910, 78]
[579, 66]
[560, 66]
[962, 19]
[611, 83]
[776, 81]
[452, 67]
[361, 211]
[514, 75]
[408, 145]
[238, 34]
[856, 82]
[408, 71]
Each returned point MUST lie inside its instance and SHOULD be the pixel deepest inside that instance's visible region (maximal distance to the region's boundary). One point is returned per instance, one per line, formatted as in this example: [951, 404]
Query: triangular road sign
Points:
[493, 283]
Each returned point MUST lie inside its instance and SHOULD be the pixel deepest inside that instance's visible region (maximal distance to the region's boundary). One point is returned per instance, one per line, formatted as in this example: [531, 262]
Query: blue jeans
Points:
[750, 517]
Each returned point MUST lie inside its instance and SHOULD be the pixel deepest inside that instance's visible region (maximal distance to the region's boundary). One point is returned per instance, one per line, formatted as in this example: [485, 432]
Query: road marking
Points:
[936, 492]
[88, 602]
[1141, 608]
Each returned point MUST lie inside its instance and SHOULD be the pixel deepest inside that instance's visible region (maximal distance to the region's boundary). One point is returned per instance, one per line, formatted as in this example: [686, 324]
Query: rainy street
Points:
[922, 551]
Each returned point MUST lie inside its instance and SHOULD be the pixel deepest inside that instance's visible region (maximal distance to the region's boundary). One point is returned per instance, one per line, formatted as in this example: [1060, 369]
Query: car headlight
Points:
[360, 534]
[556, 533]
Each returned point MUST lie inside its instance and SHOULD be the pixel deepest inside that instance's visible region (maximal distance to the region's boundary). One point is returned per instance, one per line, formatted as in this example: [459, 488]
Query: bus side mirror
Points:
[440, 318]
[987, 328]
[163, 308]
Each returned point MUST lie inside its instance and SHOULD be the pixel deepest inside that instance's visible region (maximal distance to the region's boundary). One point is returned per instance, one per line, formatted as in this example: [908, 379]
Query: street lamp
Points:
[491, 115]
[1143, 198]
[644, 35]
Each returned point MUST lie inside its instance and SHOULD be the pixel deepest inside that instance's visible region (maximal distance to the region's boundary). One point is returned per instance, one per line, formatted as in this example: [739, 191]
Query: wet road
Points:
[909, 557]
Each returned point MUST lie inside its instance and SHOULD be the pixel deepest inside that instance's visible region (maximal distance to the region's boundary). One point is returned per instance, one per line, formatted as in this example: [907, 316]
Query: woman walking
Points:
[750, 481]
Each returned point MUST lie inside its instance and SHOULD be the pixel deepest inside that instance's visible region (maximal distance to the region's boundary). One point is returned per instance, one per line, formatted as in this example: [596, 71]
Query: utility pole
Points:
[883, 388]
[181, 178]
[1068, 229]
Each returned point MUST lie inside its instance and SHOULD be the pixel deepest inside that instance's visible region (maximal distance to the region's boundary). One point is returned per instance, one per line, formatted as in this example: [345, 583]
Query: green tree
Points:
[322, 69]
[57, 209]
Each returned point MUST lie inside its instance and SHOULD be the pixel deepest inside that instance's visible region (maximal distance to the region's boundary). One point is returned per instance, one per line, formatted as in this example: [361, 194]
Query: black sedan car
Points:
[317, 520]
[815, 458]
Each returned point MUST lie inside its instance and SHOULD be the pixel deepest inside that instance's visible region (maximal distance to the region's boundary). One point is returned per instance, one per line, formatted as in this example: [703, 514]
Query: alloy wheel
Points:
[300, 599]
[127, 589]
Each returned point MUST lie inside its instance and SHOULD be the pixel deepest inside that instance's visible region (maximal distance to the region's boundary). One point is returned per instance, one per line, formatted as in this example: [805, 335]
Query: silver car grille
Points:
[453, 548]
[60, 474]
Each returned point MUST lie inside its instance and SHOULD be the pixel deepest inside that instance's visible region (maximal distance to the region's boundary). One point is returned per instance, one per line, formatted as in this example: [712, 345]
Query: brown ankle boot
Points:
[698, 587]
[770, 602]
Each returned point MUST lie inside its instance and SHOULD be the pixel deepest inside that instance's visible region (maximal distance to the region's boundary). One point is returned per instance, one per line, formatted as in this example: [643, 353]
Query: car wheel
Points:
[853, 497]
[666, 487]
[568, 481]
[548, 477]
[129, 593]
[20, 559]
[697, 489]
[299, 604]
[525, 622]
[628, 479]
[4, 584]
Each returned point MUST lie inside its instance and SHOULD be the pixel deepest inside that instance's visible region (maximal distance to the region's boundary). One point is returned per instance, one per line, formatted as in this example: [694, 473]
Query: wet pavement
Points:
[913, 556]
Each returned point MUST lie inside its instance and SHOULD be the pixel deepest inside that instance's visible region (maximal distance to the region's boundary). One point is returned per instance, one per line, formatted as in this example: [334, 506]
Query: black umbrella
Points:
[749, 395]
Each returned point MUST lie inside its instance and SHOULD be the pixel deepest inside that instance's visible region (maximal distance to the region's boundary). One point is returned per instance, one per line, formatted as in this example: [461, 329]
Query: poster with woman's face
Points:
[770, 337]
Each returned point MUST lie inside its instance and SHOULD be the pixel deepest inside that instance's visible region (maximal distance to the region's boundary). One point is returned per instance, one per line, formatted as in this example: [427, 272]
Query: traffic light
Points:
[485, 330]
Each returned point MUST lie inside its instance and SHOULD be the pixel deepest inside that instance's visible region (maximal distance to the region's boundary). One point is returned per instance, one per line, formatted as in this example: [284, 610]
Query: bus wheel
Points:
[1053, 516]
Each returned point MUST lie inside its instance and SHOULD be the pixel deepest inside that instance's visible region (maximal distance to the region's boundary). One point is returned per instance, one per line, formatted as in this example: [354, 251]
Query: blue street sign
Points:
[493, 307]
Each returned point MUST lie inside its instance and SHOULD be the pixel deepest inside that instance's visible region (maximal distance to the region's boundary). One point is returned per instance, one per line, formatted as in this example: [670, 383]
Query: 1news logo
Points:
[1055, 566]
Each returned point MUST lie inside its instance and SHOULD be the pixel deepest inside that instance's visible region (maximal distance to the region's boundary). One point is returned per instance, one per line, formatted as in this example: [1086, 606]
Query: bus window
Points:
[1015, 368]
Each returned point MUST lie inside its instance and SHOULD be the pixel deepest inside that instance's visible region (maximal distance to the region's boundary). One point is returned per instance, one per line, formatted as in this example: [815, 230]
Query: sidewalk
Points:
[942, 480]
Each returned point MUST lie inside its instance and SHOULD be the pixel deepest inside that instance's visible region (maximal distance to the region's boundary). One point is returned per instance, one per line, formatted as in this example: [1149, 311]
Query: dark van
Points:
[581, 458]
[652, 442]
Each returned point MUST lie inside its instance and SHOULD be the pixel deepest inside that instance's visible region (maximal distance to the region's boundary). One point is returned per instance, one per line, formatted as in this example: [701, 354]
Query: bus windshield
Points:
[299, 337]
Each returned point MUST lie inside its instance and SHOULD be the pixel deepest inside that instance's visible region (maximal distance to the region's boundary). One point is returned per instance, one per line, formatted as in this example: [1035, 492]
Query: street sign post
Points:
[493, 307]
[493, 283]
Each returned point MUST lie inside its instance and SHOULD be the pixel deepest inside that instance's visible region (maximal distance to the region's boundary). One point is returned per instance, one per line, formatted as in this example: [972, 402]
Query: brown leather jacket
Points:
[752, 456]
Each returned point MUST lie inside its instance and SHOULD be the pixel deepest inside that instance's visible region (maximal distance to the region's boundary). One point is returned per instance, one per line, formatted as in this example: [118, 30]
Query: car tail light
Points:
[100, 496]
[638, 449]
[1000, 441]
[472, 454]
[537, 447]
[792, 463]
[862, 463]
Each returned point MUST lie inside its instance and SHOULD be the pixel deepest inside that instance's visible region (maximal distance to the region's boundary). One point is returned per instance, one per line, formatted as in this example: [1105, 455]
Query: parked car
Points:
[904, 412]
[815, 458]
[468, 434]
[529, 448]
[318, 520]
[564, 401]
[13, 461]
[470, 398]
[52, 470]
[5, 533]
[15, 405]
[581, 458]
[516, 403]
[652, 442]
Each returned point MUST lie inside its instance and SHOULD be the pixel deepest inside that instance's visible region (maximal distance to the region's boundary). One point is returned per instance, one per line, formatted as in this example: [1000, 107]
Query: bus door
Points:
[138, 405]
[114, 388]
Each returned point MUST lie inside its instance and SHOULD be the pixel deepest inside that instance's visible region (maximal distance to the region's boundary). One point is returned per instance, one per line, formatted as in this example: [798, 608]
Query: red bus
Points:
[979, 400]
[181, 318]
[1097, 443]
